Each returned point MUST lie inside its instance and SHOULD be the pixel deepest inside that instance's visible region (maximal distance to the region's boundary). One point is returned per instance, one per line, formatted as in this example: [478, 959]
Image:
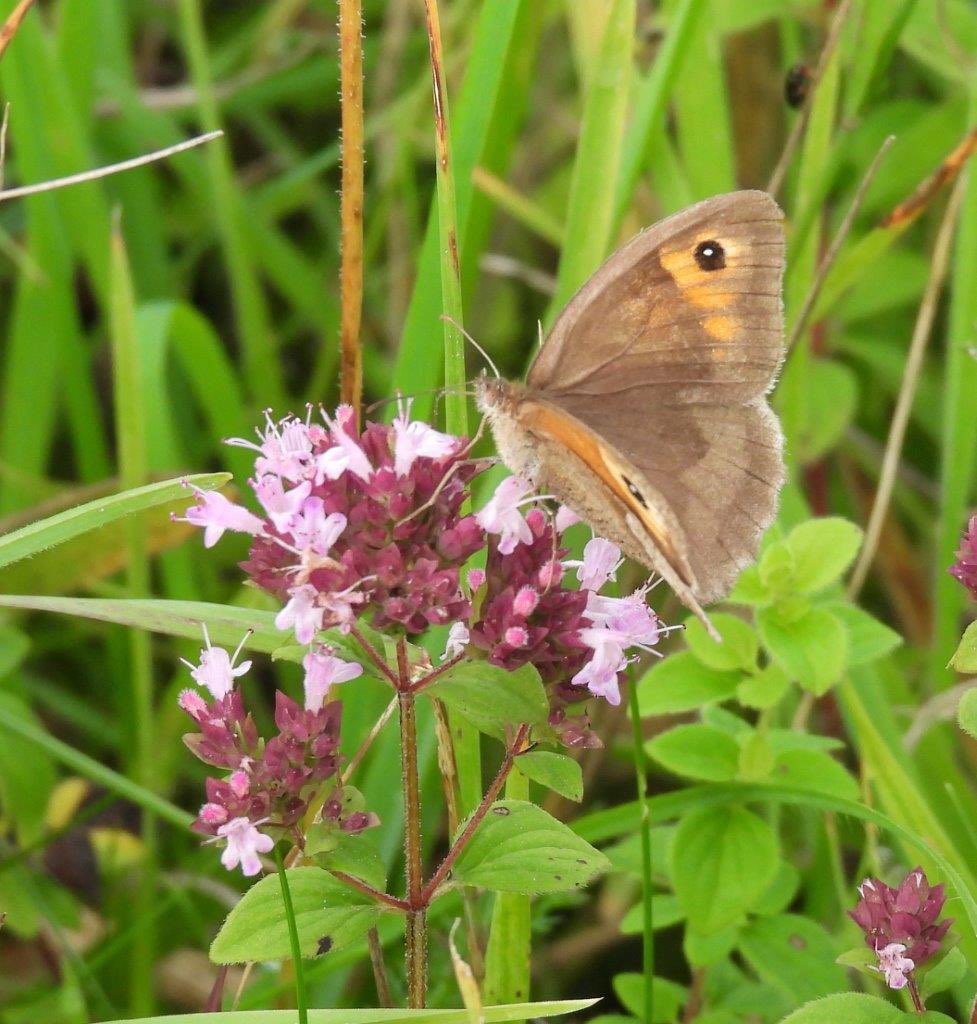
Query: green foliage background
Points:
[574, 123]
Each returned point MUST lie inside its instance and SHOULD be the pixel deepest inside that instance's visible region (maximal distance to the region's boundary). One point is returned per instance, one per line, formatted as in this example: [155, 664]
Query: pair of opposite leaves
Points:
[645, 411]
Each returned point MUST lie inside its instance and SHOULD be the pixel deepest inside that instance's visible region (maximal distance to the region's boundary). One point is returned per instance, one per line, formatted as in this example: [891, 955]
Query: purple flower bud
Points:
[965, 567]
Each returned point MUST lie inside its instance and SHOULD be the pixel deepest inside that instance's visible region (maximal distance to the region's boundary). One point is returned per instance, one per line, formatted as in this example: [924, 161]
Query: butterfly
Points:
[645, 408]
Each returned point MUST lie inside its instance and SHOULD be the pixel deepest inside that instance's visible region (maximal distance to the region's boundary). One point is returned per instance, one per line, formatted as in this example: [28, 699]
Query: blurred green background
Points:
[574, 123]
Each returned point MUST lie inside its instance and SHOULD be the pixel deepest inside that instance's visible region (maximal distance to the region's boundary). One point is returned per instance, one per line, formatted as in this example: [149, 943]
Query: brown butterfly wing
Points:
[698, 483]
[690, 310]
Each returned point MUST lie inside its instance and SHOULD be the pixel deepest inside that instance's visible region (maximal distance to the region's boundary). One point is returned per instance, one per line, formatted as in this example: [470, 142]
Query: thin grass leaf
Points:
[94, 514]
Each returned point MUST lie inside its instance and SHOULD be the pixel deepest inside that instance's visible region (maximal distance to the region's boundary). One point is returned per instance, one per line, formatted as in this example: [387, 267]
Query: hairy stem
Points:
[915, 996]
[476, 819]
[415, 936]
[351, 212]
[647, 881]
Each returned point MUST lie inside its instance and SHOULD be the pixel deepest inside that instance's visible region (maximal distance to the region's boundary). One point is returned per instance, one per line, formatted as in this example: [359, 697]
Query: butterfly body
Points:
[645, 409]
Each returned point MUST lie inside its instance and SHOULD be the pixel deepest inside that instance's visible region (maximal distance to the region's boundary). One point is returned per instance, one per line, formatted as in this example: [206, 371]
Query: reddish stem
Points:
[376, 657]
[434, 674]
[427, 893]
[368, 890]
[914, 995]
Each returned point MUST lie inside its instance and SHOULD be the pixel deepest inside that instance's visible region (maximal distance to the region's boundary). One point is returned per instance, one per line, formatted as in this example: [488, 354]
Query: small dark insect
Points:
[325, 944]
[797, 85]
[501, 811]
[710, 255]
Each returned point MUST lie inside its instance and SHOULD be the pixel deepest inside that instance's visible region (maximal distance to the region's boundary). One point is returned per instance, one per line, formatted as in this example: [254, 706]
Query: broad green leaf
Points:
[490, 1014]
[518, 847]
[822, 550]
[328, 915]
[849, 1008]
[681, 682]
[665, 913]
[756, 759]
[18, 902]
[765, 689]
[738, 649]
[793, 953]
[697, 752]
[965, 656]
[750, 588]
[14, 646]
[967, 712]
[708, 950]
[358, 856]
[816, 771]
[723, 859]
[944, 974]
[669, 997]
[791, 739]
[727, 721]
[868, 639]
[492, 698]
[56, 529]
[828, 404]
[776, 569]
[558, 772]
[782, 890]
[861, 959]
[812, 649]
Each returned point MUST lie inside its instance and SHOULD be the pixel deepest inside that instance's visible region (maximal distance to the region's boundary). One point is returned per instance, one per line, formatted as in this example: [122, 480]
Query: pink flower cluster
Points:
[965, 567]
[370, 524]
[901, 924]
[269, 784]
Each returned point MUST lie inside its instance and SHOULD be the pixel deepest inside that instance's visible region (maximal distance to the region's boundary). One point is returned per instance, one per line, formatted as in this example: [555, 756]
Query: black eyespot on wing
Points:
[710, 255]
[635, 493]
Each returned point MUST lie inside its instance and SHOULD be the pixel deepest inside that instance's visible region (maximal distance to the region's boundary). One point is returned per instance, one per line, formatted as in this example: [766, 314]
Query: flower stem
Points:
[476, 819]
[648, 920]
[915, 996]
[293, 938]
[415, 935]
[351, 272]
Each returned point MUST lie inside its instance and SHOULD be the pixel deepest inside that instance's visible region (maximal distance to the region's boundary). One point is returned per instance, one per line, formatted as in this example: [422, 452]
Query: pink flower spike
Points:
[302, 612]
[217, 671]
[476, 578]
[244, 843]
[322, 671]
[894, 965]
[213, 814]
[216, 514]
[312, 530]
[285, 448]
[239, 783]
[414, 440]
[282, 506]
[193, 704]
[600, 674]
[458, 639]
[345, 454]
[516, 636]
[601, 560]
[525, 601]
[501, 514]
[565, 518]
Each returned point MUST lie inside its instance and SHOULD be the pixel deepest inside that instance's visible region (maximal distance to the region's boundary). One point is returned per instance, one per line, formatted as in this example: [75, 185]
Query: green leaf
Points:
[822, 550]
[793, 954]
[868, 639]
[944, 974]
[490, 1014]
[965, 656]
[776, 569]
[860, 959]
[665, 913]
[765, 689]
[681, 682]
[697, 752]
[27, 773]
[848, 1008]
[358, 856]
[781, 891]
[967, 712]
[816, 771]
[707, 950]
[738, 649]
[722, 862]
[756, 759]
[29, 540]
[750, 589]
[669, 997]
[518, 847]
[829, 400]
[811, 649]
[558, 772]
[492, 698]
[328, 914]
[14, 646]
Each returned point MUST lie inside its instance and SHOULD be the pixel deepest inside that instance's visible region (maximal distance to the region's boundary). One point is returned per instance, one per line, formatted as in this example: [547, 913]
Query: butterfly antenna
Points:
[475, 344]
[381, 402]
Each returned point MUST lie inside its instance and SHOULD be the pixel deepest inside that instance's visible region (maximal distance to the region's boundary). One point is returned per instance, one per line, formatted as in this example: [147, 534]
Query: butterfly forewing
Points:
[688, 311]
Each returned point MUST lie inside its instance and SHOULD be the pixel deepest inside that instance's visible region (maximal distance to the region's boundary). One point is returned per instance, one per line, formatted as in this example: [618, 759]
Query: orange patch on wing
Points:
[544, 420]
[722, 328]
